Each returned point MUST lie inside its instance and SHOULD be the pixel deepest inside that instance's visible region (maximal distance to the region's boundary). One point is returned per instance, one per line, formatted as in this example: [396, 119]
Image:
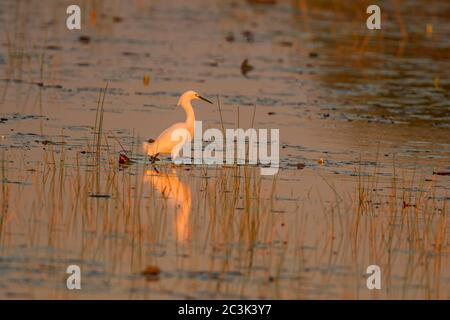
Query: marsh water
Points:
[364, 120]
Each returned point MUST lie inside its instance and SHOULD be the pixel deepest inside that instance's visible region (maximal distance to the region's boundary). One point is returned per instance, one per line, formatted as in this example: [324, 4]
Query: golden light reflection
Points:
[178, 194]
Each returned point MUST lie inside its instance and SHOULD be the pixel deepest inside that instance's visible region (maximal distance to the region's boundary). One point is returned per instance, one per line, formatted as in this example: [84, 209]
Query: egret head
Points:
[189, 96]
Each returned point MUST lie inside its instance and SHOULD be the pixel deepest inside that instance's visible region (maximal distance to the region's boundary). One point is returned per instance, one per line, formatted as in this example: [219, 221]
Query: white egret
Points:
[165, 143]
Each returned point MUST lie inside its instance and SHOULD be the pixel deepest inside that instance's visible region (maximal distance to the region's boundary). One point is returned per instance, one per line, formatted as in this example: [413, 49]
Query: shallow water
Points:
[373, 105]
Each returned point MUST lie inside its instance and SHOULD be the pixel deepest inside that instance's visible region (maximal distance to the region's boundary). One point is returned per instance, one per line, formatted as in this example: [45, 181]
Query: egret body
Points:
[170, 141]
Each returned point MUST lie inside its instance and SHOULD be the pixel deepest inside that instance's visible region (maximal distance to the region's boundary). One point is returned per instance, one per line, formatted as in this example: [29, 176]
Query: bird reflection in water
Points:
[178, 195]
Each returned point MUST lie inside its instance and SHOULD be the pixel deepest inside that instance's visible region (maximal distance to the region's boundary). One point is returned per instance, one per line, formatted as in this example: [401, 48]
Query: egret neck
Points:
[185, 103]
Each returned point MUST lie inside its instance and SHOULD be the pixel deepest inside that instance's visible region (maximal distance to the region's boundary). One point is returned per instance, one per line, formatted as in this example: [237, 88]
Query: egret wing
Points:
[171, 137]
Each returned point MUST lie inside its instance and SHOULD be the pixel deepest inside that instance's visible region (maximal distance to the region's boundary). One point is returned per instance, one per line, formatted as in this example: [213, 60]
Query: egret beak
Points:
[204, 99]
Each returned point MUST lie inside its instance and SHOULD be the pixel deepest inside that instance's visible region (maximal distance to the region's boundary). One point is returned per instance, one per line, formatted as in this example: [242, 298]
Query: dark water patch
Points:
[79, 128]
[53, 47]
[110, 91]
[157, 93]
[6, 181]
[203, 275]
[20, 116]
